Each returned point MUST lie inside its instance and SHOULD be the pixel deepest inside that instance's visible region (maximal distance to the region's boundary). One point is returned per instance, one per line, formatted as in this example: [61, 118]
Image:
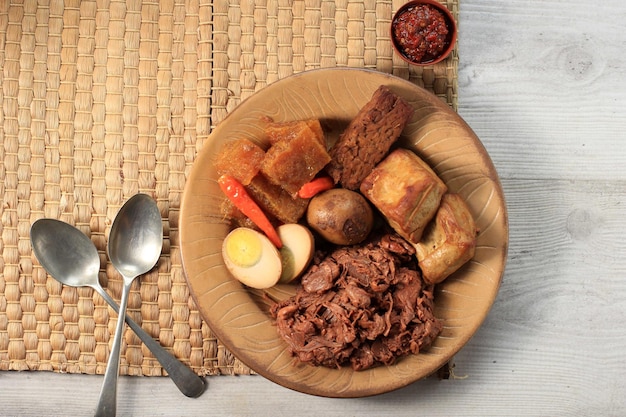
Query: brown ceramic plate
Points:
[239, 316]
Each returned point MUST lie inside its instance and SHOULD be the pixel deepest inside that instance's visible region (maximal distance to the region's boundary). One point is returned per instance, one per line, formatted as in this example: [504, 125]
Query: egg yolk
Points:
[244, 248]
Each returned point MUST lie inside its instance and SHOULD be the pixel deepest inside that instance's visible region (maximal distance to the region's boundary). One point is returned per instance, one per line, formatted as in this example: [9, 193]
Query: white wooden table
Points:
[542, 84]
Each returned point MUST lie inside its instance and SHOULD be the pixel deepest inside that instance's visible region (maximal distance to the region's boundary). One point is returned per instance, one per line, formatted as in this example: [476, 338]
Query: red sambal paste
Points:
[421, 33]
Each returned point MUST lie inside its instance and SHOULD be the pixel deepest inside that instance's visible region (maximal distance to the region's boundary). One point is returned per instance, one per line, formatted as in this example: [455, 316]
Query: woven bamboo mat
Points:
[103, 99]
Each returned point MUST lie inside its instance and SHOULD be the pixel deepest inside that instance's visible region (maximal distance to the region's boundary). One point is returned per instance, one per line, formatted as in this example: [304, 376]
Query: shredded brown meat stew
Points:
[359, 306]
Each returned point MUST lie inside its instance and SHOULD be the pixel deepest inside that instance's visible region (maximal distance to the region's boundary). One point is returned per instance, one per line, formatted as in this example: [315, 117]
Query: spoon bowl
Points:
[66, 253]
[136, 237]
[71, 258]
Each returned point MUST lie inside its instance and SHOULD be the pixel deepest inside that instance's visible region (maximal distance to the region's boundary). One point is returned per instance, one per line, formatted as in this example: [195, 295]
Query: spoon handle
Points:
[107, 403]
[189, 383]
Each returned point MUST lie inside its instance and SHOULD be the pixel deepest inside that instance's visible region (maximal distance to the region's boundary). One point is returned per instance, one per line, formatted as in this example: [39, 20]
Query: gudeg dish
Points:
[239, 315]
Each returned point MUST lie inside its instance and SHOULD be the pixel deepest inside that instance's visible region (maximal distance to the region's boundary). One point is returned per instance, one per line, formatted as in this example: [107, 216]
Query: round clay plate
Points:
[239, 316]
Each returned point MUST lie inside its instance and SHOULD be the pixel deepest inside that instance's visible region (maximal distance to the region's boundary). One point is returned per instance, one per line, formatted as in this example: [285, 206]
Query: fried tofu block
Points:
[448, 242]
[295, 159]
[275, 201]
[368, 137]
[406, 191]
[278, 131]
[240, 159]
[235, 216]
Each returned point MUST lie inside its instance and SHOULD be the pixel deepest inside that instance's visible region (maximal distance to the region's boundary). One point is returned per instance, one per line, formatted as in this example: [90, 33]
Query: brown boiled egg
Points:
[297, 250]
[252, 258]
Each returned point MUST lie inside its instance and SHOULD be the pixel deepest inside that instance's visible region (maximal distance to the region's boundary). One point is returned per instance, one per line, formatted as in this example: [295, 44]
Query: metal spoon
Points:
[71, 258]
[134, 248]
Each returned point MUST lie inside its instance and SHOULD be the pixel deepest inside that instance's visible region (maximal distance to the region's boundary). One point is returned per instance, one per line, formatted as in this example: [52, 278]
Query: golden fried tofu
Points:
[406, 191]
[235, 217]
[240, 159]
[275, 201]
[295, 159]
[280, 131]
[448, 242]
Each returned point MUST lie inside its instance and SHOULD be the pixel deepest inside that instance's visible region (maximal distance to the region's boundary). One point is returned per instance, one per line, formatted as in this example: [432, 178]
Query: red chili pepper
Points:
[238, 195]
[316, 186]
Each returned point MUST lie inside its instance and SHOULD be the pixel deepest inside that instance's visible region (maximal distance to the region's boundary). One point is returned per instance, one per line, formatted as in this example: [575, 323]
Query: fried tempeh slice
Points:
[368, 137]
[448, 242]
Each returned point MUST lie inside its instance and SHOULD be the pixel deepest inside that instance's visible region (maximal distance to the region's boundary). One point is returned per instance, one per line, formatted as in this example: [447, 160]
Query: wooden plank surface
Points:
[542, 84]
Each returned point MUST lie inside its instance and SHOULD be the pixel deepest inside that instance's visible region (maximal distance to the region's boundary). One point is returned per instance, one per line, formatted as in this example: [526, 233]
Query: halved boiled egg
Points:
[297, 250]
[252, 258]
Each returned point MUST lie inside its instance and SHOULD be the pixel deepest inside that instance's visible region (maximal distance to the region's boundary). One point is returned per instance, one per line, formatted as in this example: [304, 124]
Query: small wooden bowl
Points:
[450, 39]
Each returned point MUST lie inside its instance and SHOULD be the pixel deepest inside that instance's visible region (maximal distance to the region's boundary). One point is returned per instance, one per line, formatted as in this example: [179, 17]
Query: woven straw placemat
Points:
[104, 99]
